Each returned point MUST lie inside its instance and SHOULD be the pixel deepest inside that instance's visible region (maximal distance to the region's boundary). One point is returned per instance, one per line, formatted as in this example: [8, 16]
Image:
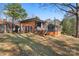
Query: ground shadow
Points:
[63, 46]
[37, 48]
[28, 47]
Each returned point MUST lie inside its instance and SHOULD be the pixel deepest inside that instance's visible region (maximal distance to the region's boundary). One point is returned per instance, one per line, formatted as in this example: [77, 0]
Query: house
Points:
[29, 25]
[33, 25]
[54, 28]
[3, 25]
[41, 27]
[6, 26]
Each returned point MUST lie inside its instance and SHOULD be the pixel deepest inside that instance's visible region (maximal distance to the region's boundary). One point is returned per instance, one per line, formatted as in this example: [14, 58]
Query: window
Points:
[51, 28]
[39, 24]
[1, 27]
[28, 28]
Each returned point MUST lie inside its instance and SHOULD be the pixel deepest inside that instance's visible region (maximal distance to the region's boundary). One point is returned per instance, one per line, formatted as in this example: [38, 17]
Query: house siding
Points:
[26, 24]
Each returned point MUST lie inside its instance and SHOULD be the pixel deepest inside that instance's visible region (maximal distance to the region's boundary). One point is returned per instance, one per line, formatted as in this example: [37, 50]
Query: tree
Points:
[16, 12]
[68, 25]
[37, 18]
[71, 8]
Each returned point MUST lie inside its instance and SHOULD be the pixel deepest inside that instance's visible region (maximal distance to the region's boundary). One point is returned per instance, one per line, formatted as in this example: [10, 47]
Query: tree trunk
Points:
[20, 27]
[77, 21]
[12, 24]
[5, 24]
[10, 28]
[5, 28]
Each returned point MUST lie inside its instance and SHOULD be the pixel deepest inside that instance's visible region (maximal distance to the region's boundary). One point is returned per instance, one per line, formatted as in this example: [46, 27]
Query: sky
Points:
[34, 9]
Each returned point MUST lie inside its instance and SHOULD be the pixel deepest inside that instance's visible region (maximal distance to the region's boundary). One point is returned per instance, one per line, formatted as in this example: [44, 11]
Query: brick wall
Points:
[29, 23]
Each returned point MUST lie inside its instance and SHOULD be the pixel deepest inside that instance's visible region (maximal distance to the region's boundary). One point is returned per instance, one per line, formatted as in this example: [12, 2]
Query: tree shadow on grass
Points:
[76, 47]
[35, 48]
[65, 49]
[28, 47]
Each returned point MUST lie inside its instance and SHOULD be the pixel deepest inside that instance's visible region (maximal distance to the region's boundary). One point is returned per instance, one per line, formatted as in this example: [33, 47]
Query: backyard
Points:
[30, 44]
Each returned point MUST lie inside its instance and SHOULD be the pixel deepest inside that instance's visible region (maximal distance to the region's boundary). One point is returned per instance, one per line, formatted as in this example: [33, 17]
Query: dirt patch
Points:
[8, 48]
[28, 44]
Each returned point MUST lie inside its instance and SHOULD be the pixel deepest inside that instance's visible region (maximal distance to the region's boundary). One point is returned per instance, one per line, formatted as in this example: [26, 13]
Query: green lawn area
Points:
[30, 44]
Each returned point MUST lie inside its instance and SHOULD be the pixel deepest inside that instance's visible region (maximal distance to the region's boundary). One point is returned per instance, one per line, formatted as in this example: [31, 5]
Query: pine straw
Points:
[34, 45]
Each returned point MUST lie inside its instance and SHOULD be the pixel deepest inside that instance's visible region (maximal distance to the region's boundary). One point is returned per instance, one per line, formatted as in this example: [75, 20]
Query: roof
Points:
[32, 19]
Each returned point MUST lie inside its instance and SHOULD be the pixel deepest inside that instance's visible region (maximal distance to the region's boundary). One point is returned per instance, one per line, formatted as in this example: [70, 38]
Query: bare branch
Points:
[65, 10]
[72, 6]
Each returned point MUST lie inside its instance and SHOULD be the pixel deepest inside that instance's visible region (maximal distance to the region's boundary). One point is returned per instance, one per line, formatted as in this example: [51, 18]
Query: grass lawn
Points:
[29, 44]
